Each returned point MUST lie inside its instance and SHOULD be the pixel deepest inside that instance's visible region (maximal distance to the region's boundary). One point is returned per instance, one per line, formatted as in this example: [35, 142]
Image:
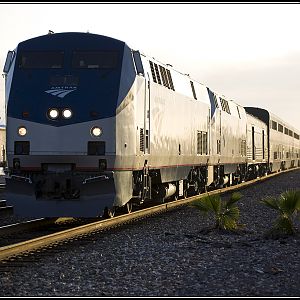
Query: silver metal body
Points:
[257, 141]
[284, 147]
[283, 140]
[170, 136]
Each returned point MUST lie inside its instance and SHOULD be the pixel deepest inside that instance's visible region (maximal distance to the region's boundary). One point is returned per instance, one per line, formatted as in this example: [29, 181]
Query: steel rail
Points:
[28, 225]
[44, 241]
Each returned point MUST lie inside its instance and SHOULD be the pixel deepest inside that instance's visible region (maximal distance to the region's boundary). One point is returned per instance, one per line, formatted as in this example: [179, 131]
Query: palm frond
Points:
[201, 205]
[225, 215]
[298, 197]
[271, 202]
[228, 223]
[287, 204]
[289, 201]
[298, 202]
[236, 196]
[215, 201]
[233, 213]
[204, 204]
[284, 225]
[229, 217]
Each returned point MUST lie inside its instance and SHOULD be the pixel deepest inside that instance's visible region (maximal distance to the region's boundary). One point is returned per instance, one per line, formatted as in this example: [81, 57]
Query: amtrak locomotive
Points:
[93, 126]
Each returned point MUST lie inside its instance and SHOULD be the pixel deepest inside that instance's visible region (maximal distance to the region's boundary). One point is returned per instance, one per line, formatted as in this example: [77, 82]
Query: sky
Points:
[248, 52]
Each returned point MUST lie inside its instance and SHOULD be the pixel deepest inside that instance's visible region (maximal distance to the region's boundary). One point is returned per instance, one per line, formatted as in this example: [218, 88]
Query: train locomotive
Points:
[94, 126]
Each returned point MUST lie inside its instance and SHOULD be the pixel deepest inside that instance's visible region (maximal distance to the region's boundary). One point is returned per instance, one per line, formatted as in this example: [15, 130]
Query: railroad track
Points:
[58, 238]
[33, 225]
[22, 232]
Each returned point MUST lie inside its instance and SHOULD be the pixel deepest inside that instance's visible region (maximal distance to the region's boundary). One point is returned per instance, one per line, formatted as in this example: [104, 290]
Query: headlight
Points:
[67, 113]
[96, 131]
[22, 131]
[53, 113]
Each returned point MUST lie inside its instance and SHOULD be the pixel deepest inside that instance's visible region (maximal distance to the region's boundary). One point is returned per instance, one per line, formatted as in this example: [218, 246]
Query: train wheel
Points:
[129, 207]
[185, 194]
[109, 212]
[197, 188]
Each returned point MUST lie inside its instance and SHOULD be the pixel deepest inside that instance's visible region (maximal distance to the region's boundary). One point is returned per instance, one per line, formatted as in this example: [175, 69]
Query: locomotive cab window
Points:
[94, 60]
[9, 59]
[138, 62]
[41, 60]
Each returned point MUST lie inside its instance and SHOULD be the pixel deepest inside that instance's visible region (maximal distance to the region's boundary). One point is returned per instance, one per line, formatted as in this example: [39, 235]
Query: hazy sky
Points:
[248, 52]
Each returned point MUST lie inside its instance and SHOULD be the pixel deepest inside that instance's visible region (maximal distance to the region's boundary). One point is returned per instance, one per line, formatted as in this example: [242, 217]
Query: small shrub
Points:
[225, 212]
[287, 205]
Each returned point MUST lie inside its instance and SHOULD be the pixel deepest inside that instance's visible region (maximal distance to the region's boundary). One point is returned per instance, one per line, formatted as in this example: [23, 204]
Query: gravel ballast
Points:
[171, 255]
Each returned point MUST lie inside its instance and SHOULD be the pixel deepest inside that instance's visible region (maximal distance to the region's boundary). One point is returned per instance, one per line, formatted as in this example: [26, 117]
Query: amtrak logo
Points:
[60, 92]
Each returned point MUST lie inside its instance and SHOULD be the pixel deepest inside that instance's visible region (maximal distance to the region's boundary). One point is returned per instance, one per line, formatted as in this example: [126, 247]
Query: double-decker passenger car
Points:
[283, 140]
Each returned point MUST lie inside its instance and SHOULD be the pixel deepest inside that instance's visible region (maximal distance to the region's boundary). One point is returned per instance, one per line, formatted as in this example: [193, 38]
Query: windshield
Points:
[41, 60]
[94, 59]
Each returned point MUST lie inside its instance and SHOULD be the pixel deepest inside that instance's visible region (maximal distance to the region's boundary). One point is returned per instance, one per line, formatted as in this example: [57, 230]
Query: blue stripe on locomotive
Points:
[212, 102]
[99, 90]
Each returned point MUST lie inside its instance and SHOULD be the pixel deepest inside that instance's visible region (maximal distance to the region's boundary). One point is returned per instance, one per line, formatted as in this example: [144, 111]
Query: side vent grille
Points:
[199, 142]
[204, 139]
[202, 148]
[243, 148]
[152, 71]
[164, 77]
[157, 73]
[142, 144]
[170, 79]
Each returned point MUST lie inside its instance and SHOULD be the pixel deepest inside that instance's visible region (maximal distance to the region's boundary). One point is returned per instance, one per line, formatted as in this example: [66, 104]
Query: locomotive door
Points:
[253, 143]
[219, 133]
[144, 109]
[147, 115]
